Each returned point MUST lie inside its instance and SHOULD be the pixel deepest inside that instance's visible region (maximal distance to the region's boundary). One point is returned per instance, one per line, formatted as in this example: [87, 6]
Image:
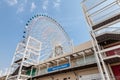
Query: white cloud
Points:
[45, 4]
[20, 8]
[57, 4]
[12, 2]
[33, 6]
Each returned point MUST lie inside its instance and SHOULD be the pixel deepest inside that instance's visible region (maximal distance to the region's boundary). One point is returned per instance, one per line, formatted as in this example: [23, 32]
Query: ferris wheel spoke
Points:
[51, 34]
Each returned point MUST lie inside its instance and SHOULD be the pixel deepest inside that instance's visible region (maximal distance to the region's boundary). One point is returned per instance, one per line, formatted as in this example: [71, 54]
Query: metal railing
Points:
[85, 61]
[89, 5]
[99, 78]
[115, 52]
[78, 62]
[98, 11]
[110, 30]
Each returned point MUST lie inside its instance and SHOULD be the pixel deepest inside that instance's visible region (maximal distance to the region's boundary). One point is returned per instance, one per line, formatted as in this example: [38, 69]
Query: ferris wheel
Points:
[55, 40]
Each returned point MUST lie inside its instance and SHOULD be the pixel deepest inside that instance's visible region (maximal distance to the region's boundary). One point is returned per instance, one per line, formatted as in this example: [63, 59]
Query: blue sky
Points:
[15, 13]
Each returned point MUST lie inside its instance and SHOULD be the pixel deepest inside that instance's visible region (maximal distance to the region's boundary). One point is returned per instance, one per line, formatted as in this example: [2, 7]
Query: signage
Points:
[58, 67]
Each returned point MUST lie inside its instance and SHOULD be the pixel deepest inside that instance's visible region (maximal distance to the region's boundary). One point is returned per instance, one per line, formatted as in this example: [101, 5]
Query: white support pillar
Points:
[95, 52]
[70, 61]
[111, 72]
[47, 67]
[39, 70]
[98, 61]
[84, 58]
[0, 73]
[31, 73]
[103, 63]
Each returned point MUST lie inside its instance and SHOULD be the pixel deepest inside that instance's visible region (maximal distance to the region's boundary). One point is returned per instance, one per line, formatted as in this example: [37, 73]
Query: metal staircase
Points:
[27, 54]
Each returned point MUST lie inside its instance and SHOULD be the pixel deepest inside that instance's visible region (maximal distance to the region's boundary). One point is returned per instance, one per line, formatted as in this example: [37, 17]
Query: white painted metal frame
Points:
[29, 52]
[107, 77]
[101, 10]
[66, 58]
[98, 52]
[93, 43]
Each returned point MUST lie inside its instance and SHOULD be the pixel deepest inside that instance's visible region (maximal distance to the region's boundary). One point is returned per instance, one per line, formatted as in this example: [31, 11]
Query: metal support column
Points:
[103, 63]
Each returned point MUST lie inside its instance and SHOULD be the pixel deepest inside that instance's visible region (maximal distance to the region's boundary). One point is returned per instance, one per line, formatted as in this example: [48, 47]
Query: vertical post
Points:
[72, 46]
[95, 53]
[9, 69]
[23, 59]
[6, 71]
[31, 72]
[47, 67]
[70, 61]
[112, 75]
[39, 70]
[39, 54]
[84, 58]
[98, 52]
[98, 60]
[86, 16]
[58, 63]
[0, 73]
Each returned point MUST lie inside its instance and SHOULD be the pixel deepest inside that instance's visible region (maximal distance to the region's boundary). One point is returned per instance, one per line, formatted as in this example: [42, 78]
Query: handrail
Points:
[103, 9]
[110, 30]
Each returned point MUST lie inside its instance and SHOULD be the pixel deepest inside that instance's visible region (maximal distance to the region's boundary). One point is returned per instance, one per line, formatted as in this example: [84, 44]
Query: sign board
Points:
[58, 67]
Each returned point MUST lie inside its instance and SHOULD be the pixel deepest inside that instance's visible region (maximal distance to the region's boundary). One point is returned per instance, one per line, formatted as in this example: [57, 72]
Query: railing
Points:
[85, 61]
[89, 5]
[114, 29]
[115, 52]
[100, 10]
[78, 62]
[99, 78]
[43, 71]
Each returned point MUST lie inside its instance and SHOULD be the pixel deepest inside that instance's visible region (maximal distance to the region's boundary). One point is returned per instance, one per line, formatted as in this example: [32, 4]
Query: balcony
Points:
[112, 56]
[108, 38]
[79, 60]
[108, 35]
[101, 12]
[77, 66]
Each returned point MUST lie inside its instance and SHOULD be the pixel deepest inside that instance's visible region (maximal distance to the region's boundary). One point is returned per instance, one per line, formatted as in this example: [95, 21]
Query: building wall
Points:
[88, 71]
[65, 76]
[72, 75]
[2, 78]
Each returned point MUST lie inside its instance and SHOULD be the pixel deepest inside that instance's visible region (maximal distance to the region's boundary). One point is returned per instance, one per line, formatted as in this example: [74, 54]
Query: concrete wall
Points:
[93, 70]
[73, 75]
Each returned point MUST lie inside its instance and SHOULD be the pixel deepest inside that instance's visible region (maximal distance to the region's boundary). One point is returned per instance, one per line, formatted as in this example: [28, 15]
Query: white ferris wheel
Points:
[55, 40]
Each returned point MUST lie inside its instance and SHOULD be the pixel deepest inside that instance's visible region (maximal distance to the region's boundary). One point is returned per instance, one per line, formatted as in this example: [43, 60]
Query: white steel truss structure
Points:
[103, 18]
[26, 55]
